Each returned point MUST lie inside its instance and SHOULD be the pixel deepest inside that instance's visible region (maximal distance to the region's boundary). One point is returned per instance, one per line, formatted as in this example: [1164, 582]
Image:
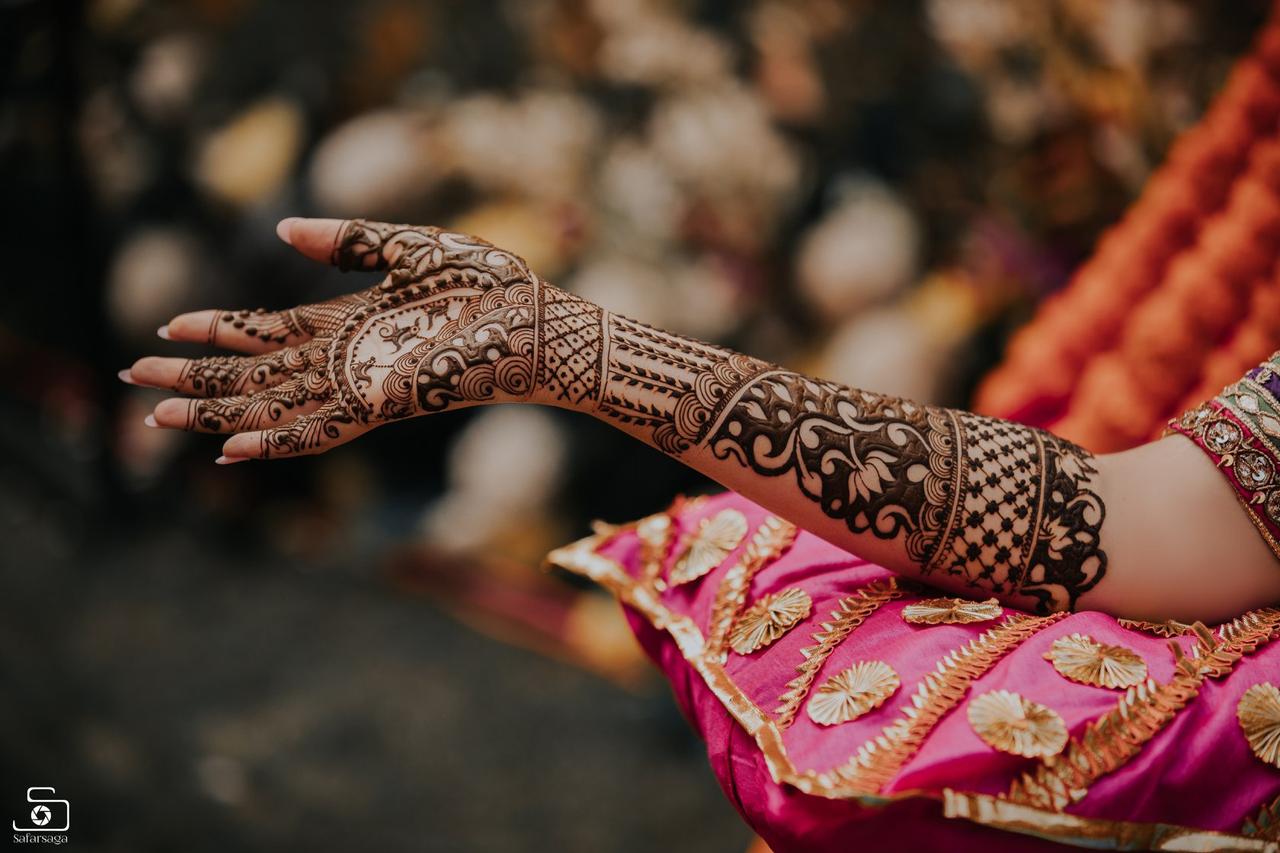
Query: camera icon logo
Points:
[47, 814]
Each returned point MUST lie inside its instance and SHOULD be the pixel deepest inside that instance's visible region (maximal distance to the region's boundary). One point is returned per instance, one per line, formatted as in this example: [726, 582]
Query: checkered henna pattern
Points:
[1005, 508]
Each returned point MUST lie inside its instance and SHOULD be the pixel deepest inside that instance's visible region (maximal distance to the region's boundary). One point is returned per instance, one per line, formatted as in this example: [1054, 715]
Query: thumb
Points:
[315, 238]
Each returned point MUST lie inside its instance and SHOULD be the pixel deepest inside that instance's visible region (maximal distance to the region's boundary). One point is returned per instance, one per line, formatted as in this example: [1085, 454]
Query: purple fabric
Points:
[1273, 378]
[1198, 771]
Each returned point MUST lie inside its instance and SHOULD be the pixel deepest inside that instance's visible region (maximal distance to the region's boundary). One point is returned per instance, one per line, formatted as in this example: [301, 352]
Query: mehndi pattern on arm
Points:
[1005, 508]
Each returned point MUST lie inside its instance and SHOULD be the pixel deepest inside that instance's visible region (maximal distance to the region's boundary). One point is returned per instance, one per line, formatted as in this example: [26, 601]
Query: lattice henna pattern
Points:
[1005, 508]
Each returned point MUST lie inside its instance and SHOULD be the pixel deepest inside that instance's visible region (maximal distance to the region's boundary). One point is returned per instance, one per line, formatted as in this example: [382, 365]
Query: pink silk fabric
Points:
[1196, 774]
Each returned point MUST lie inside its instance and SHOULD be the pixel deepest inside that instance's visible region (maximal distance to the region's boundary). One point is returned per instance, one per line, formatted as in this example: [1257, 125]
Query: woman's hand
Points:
[451, 325]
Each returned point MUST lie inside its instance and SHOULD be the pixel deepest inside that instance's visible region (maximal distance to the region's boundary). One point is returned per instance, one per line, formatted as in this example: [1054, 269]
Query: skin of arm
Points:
[971, 504]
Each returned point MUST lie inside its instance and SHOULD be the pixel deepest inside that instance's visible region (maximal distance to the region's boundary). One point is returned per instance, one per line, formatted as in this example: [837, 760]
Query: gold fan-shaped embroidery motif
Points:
[1084, 659]
[768, 619]
[950, 611]
[1168, 629]
[716, 537]
[849, 694]
[1010, 723]
[1259, 716]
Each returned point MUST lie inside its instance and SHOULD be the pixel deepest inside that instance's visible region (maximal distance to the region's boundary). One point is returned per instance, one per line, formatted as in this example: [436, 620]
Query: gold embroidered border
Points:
[1127, 723]
[851, 612]
[1092, 832]
[771, 538]
[1222, 409]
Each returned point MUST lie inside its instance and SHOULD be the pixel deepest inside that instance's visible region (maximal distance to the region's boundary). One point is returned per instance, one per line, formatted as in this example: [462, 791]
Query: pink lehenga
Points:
[844, 708]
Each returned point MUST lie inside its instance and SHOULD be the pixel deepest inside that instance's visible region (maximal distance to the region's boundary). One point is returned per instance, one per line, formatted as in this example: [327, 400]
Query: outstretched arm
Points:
[977, 505]
[969, 503]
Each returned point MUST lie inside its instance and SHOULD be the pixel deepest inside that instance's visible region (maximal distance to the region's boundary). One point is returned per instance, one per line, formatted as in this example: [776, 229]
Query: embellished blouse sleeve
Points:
[1240, 431]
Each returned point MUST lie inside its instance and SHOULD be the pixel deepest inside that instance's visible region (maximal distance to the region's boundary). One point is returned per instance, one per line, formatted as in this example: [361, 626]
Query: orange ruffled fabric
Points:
[1181, 297]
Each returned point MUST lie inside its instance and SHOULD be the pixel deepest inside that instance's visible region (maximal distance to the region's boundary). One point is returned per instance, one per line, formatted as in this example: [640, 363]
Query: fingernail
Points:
[285, 227]
[230, 460]
[163, 332]
[126, 376]
[150, 420]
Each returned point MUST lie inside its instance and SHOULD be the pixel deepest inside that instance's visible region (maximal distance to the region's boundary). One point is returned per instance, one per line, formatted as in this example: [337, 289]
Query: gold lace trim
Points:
[1167, 629]
[1091, 831]
[851, 612]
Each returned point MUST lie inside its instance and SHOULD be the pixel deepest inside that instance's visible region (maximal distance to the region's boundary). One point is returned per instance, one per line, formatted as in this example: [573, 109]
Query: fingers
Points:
[221, 376]
[322, 430]
[272, 407]
[356, 244]
[243, 331]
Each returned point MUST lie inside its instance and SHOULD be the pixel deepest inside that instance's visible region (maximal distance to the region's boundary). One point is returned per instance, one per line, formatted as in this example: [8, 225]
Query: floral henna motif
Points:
[413, 253]
[250, 411]
[1067, 559]
[870, 461]
[222, 376]
[1006, 508]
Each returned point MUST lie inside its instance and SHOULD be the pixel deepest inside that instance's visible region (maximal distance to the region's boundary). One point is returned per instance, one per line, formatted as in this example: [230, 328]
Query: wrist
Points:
[569, 362]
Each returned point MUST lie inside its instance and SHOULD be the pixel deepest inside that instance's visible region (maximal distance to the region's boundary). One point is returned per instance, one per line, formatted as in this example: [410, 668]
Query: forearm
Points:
[965, 502]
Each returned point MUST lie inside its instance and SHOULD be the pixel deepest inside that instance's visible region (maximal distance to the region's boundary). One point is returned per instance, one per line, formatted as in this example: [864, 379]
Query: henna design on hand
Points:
[222, 376]
[452, 324]
[254, 411]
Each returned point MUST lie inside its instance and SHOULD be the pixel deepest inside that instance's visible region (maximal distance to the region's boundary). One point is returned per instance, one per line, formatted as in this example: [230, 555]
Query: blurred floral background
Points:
[357, 650]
